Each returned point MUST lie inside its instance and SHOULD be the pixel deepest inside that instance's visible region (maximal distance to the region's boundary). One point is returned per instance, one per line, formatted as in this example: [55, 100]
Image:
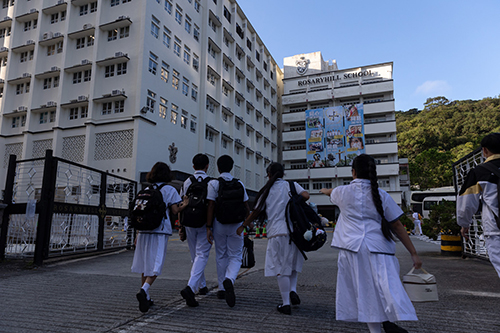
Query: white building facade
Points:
[121, 84]
[311, 83]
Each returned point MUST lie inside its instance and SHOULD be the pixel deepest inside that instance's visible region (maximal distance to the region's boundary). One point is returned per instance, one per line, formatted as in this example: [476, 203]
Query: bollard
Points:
[451, 245]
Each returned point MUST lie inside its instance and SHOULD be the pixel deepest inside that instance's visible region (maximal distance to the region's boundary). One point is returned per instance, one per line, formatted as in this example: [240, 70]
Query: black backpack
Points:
[229, 205]
[148, 209]
[195, 214]
[302, 218]
[496, 171]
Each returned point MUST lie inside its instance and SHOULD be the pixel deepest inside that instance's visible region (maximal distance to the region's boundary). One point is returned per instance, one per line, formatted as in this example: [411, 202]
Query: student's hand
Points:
[417, 263]
[240, 230]
[465, 232]
[326, 191]
[210, 236]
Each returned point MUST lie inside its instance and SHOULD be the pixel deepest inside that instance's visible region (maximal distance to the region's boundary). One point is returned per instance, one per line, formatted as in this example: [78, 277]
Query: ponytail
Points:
[365, 168]
[274, 171]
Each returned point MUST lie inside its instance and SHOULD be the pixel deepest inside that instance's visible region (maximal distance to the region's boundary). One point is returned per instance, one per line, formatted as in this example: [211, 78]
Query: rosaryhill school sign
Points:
[334, 77]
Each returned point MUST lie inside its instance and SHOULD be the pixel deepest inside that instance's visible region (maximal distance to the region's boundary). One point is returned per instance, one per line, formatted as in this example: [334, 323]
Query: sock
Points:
[374, 327]
[145, 287]
[293, 281]
[284, 285]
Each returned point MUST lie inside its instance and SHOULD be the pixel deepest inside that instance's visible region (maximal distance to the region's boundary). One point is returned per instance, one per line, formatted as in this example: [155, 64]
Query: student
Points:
[283, 258]
[151, 245]
[199, 247]
[417, 221]
[369, 288]
[230, 211]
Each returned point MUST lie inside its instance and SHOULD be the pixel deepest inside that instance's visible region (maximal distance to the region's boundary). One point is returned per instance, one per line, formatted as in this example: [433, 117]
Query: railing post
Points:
[8, 194]
[45, 208]
[102, 211]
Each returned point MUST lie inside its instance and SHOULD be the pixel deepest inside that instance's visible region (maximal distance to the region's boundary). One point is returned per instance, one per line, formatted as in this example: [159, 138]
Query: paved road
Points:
[97, 294]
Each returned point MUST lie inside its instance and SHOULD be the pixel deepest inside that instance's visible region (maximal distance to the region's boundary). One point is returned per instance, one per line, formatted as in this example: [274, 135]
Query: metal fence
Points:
[475, 245]
[57, 207]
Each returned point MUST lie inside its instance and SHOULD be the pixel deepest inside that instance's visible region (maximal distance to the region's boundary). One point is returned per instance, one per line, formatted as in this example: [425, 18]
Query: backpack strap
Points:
[159, 187]
[496, 171]
[293, 190]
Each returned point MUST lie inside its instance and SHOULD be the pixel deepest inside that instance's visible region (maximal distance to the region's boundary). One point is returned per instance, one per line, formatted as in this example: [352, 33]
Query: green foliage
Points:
[442, 219]
[407, 222]
[442, 133]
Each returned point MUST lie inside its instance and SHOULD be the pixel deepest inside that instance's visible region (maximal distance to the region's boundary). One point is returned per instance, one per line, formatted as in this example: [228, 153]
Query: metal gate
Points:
[57, 207]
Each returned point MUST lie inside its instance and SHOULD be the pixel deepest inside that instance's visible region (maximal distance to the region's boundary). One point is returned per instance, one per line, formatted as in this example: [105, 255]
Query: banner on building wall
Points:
[335, 135]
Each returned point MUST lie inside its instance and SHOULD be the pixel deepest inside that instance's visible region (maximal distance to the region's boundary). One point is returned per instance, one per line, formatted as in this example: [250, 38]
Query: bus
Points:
[417, 197]
[431, 201]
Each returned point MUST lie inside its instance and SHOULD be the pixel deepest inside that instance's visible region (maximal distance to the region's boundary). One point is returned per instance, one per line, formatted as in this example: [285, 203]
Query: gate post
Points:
[45, 208]
[9, 190]
[102, 211]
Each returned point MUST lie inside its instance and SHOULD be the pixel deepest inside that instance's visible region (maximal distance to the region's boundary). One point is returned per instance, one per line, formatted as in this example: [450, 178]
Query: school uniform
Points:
[417, 222]
[369, 288]
[151, 246]
[228, 245]
[282, 257]
[199, 246]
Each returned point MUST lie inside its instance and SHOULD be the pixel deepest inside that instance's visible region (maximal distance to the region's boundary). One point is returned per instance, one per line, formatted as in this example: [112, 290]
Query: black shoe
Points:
[221, 294]
[392, 328]
[294, 298]
[188, 295]
[285, 309]
[150, 302]
[143, 300]
[230, 297]
[203, 291]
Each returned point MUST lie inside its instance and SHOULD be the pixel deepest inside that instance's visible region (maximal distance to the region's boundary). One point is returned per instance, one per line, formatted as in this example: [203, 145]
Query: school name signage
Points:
[334, 77]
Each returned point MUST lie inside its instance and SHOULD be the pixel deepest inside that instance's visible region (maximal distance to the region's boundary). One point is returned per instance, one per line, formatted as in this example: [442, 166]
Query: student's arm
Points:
[326, 191]
[210, 220]
[250, 218]
[305, 195]
[179, 207]
[401, 233]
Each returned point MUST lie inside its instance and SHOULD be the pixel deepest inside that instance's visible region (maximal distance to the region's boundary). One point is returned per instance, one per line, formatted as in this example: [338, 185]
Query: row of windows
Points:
[174, 112]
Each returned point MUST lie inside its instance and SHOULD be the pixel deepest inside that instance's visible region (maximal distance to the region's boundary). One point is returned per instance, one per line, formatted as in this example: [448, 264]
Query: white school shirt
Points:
[359, 220]
[197, 174]
[276, 201]
[213, 188]
[170, 197]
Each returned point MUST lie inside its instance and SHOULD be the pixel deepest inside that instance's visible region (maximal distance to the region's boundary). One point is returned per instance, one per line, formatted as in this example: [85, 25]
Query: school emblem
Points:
[302, 65]
[173, 152]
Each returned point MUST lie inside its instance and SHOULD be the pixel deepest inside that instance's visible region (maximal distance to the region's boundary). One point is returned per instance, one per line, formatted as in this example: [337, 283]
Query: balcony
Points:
[380, 107]
[294, 117]
[382, 148]
[294, 136]
[382, 127]
[292, 155]
[379, 87]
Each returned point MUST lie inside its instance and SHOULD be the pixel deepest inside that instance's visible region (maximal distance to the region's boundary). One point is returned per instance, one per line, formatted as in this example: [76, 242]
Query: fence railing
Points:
[57, 207]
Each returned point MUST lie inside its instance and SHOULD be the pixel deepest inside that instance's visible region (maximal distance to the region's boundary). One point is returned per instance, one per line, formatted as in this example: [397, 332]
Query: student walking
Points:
[151, 245]
[228, 202]
[369, 288]
[283, 258]
[417, 221]
[194, 218]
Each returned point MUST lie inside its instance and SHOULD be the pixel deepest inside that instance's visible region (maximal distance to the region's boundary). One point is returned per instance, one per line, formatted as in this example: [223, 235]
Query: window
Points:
[112, 35]
[109, 71]
[93, 6]
[237, 101]
[18, 121]
[121, 68]
[56, 81]
[197, 6]
[73, 113]
[192, 126]
[20, 89]
[211, 50]
[209, 135]
[225, 65]
[224, 117]
[264, 64]
[155, 27]
[5, 32]
[212, 24]
[185, 86]
[27, 26]
[107, 108]
[47, 83]
[84, 112]
[175, 79]
[178, 15]
[51, 50]
[84, 10]
[59, 47]
[239, 53]
[196, 33]
[77, 77]
[237, 125]
[177, 47]
[25, 56]
[196, 62]
[187, 55]
[249, 44]
[80, 43]
[54, 18]
[173, 117]
[115, 3]
[87, 75]
[164, 72]
[166, 37]
[225, 90]
[27, 90]
[257, 55]
[224, 144]
[194, 93]
[119, 106]
[46, 117]
[187, 24]
[211, 78]
[184, 121]
[168, 6]
[239, 31]
[150, 102]
[124, 32]
[210, 106]
[227, 14]
[152, 63]
[163, 108]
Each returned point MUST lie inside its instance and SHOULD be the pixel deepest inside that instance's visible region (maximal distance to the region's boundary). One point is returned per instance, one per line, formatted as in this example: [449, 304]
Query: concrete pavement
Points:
[97, 294]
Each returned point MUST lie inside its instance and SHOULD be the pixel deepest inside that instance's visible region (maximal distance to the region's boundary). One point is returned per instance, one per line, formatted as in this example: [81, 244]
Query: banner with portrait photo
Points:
[354, 131]
[315, 133]
[334, 137]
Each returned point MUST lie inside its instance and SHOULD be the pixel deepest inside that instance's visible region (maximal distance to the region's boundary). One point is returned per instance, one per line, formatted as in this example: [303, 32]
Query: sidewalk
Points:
[97, 294]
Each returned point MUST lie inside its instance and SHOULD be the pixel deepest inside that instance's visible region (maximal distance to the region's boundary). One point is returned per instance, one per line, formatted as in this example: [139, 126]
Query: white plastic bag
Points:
[420, 287]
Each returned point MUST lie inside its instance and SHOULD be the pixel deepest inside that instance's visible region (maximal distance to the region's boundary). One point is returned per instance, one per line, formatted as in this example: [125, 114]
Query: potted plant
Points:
[442, 220]
[407, 223]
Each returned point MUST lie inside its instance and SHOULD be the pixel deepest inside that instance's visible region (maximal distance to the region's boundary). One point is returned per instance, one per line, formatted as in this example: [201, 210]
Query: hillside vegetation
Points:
[442, 133]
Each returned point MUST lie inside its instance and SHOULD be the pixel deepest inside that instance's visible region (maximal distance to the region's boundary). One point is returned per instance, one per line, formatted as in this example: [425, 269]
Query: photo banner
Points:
[334, 126]
[354, 131]
[315, 138]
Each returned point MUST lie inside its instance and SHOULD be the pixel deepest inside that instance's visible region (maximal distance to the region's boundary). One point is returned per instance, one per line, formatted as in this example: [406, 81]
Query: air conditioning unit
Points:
[82, 98]
[119, 54]
[266, 157]
[85, 61]
[60, 2]
[47, 35]
[258, 152]
[26, 75]
[51, 103]
[6, 18]
[30, 41]
[2, 81]
[116, 92]
[144, 109]
[22, 108]
[33, 10]
[123, 17]
[238, 140]
[87, 26]
[3, 49]
[57, 34]
[54, 68]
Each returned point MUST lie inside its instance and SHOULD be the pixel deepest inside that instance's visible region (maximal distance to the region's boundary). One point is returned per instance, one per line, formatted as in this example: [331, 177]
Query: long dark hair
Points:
[365, 168]
[274, 171]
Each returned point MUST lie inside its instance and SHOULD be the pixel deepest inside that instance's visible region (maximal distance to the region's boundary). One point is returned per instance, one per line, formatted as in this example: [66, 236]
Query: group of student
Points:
[369, 288]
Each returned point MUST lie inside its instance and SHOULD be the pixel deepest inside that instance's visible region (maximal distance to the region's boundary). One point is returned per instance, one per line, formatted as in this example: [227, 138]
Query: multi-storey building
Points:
[121, 84]
[311, 83]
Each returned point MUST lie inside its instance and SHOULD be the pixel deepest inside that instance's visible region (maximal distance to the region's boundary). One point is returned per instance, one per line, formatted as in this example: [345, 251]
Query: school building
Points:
[310, 83]
[121, 84]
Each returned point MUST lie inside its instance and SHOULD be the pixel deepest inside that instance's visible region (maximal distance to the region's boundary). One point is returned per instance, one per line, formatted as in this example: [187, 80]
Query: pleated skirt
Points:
[150, 252]
[369, 288]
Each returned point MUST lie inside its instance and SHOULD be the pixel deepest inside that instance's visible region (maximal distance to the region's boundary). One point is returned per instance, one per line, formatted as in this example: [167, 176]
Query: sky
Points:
[447, 48]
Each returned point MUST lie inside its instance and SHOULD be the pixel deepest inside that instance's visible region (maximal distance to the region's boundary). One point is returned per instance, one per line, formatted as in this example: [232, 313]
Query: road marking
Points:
[476, 293]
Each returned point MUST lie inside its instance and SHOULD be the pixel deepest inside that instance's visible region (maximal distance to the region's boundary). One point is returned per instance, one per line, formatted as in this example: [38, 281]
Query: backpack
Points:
[304, 225]
[419, 217]
[195, 214]
[496, 171]
[148, 209]
[229, 205]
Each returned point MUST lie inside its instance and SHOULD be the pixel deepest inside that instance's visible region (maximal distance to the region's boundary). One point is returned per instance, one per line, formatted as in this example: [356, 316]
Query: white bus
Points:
[430, 202]
[417, 197]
